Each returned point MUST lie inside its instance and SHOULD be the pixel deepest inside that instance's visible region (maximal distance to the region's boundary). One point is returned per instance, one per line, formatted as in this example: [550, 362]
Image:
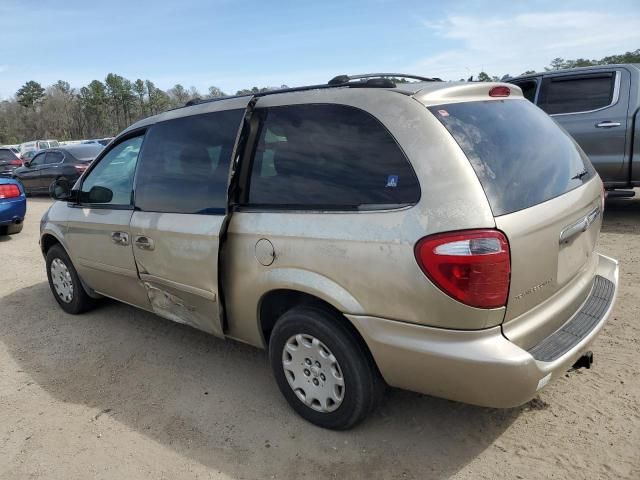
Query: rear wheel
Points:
[65, 283]
[322, 369]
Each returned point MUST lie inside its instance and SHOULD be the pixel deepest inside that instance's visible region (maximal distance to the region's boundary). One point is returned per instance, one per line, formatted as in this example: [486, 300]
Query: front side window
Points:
[572, 94]
[184, 166]
[38, 160]
[322, 156]
[113, 174]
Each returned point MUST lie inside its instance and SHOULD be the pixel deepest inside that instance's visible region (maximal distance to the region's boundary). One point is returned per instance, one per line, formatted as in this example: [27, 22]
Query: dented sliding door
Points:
[180, 206]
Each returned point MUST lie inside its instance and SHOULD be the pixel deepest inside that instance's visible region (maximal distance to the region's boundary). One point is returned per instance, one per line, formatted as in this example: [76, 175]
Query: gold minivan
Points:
[433, 236]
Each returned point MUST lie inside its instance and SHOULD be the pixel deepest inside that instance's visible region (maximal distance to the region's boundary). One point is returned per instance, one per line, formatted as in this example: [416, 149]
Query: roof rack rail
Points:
[379, 80]
[345, 79]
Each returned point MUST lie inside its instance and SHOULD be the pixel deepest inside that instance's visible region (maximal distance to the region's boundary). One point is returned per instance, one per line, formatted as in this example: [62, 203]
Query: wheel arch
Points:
[274, 303]
[48, 240]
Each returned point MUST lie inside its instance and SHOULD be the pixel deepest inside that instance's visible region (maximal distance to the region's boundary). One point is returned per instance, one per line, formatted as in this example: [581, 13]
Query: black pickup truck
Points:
[600, 107]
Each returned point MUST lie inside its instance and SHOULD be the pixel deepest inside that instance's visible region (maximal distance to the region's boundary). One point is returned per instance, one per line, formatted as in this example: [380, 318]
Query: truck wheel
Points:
[65, 283]
[322, 369]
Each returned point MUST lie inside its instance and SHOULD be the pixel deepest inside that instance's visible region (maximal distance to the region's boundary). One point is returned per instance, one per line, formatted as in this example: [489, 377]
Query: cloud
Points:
[513, 44]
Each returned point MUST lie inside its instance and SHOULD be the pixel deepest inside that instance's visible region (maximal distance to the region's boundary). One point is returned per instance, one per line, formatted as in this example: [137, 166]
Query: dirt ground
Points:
[121, 394]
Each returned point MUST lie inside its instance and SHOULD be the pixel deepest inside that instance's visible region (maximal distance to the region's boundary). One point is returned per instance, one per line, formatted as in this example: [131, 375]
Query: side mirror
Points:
[99, 194]
[60, 190]
[27, 164]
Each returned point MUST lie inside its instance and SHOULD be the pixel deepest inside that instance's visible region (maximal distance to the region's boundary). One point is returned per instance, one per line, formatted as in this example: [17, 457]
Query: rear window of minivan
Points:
[520, 155]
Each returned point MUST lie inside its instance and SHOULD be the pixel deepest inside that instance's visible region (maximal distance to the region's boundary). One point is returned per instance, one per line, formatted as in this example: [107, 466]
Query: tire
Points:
[74, 300]
[317, 332]
[14, 228]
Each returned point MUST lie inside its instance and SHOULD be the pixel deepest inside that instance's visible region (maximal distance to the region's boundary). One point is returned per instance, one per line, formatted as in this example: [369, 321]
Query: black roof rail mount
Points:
[378, 79]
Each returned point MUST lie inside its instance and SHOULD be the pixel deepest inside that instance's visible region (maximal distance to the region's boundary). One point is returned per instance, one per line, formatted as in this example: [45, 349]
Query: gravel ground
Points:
[120, 393]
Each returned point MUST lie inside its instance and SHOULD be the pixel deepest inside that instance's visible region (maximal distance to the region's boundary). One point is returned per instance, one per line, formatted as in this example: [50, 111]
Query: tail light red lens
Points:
[472, 266]
[9, 191]
[81, 168]
[17, 161]
[500, 91]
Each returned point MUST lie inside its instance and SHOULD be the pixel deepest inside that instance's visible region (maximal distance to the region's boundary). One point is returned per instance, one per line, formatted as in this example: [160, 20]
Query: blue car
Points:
[13, 206]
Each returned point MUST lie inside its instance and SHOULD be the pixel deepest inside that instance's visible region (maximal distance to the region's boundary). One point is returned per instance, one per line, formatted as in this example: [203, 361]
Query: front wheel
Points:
[322, 369]
[65, 283]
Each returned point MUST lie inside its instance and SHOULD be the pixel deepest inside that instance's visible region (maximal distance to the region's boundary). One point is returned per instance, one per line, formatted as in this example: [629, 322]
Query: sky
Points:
[240, 44]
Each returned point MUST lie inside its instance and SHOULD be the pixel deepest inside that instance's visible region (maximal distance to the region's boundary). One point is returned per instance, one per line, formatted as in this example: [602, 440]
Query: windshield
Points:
[520, 155]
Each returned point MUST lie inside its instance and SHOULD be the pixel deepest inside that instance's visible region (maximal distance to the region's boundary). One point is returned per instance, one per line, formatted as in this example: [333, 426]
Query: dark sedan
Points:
[56, 163]
[9, 161]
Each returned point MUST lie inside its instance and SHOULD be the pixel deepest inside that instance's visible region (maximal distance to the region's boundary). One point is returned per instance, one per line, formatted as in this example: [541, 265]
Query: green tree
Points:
[484, 77]
[627, 57]
[215, 92]
[140, 90]
[94, 103]
[158, 100]
[30, 94]
[179, 95]
[556, 64]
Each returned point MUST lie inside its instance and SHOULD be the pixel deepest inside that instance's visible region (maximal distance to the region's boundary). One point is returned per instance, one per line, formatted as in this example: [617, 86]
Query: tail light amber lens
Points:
[472, 266]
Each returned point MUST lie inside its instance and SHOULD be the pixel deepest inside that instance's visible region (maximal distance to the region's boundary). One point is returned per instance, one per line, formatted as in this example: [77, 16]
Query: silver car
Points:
[437, 237]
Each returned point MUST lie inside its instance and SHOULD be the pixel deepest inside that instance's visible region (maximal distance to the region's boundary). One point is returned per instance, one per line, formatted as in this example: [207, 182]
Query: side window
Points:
[54, 157]
[328, 156]
[38, 160]
[115, 173]
[184, 165]
[6, 155]
[529, 88]
[572, 94]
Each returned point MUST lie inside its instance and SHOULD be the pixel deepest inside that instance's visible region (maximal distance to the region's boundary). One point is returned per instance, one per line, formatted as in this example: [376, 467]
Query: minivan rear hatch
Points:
[546, 198]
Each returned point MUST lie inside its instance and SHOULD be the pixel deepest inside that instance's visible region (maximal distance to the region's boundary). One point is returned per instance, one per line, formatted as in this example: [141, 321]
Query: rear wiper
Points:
[579, 175]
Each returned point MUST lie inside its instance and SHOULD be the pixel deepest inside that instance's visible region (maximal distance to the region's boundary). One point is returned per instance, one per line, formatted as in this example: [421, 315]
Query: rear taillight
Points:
[9, 191]
[17, 162]
[472, 266]
[81, 168]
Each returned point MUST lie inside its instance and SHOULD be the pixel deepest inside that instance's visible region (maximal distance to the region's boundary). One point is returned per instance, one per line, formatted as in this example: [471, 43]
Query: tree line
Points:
[561, 64]
[99, 109]
[104, 108]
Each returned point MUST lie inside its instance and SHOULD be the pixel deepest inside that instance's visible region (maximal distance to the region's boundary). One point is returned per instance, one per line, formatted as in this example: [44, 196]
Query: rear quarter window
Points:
[520, 155]
[573, 94]
[325, 156]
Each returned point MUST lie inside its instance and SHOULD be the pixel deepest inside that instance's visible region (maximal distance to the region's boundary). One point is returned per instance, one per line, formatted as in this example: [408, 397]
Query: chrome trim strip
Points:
[580, 226]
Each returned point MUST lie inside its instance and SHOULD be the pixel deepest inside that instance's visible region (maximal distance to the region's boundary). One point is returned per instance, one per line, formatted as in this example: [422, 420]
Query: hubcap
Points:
[61, 279]
[313, 373]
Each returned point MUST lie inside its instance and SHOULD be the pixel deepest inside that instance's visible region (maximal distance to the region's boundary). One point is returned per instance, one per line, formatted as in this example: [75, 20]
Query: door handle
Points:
[120, 238]
[144, 243]
[607, 124]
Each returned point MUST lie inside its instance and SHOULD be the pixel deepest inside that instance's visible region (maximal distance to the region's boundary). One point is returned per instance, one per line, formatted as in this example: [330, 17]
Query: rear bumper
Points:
[12, 211]
[482, 367]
